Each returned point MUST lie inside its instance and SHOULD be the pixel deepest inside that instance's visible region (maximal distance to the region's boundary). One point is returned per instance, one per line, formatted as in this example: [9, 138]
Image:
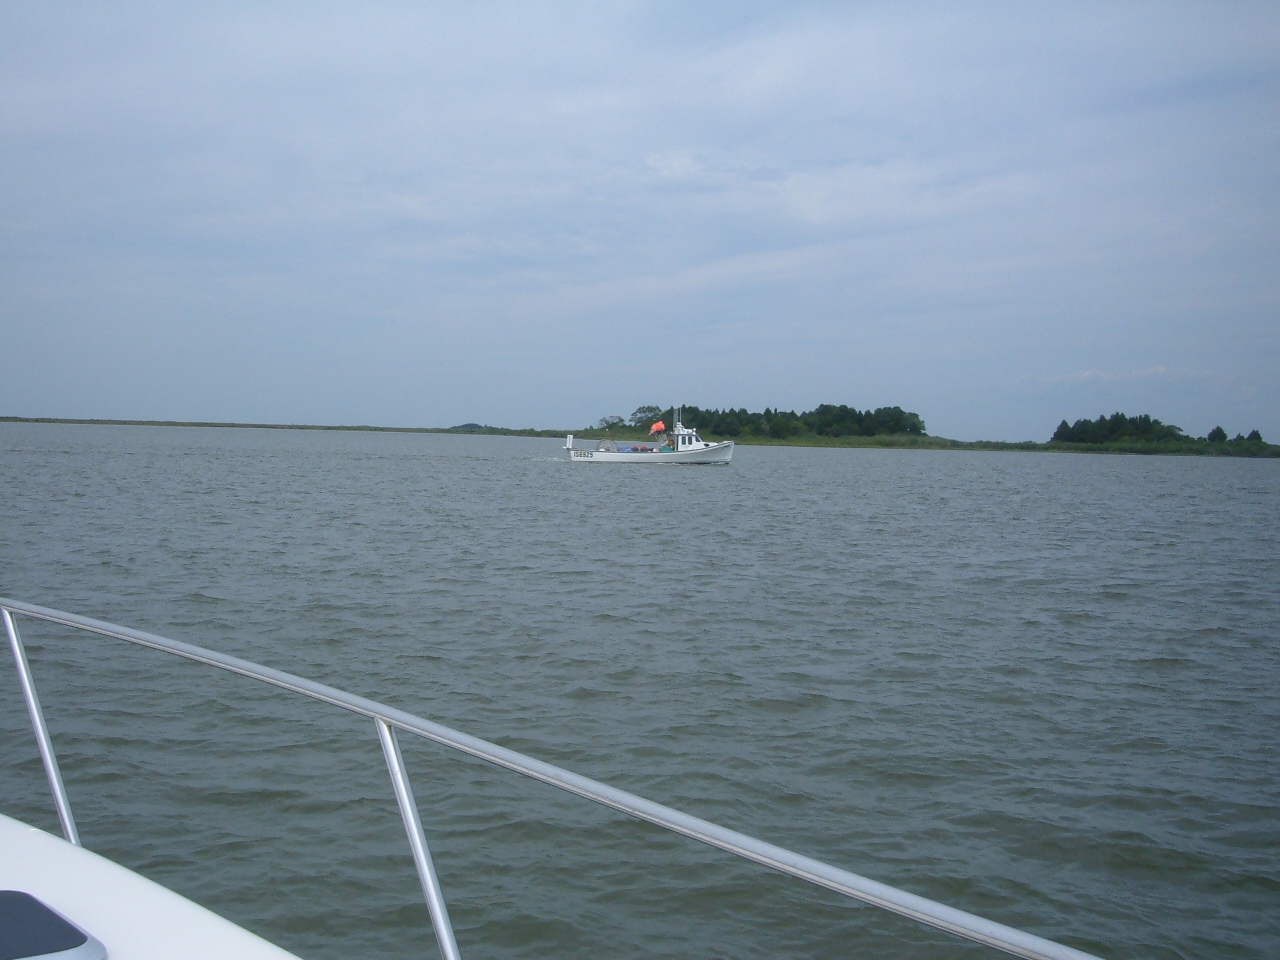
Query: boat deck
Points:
[133, 917]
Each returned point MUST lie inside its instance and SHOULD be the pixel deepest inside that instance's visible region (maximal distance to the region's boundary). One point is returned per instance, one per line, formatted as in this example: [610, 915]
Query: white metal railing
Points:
[388, 720]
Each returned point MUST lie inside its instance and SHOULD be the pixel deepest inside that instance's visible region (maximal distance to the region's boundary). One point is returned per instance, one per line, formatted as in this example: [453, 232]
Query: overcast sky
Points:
[537, 215]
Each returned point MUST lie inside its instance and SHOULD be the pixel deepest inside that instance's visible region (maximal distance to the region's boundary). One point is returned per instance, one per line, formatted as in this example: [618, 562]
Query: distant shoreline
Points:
[478, 430]
[1189, 447]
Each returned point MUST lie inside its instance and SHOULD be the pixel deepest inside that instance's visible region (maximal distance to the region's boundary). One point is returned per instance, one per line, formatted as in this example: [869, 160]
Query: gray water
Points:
[1041, 688]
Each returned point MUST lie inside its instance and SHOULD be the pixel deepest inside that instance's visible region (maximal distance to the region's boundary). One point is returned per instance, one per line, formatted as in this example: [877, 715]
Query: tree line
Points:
[827, 420]
[1119, 428]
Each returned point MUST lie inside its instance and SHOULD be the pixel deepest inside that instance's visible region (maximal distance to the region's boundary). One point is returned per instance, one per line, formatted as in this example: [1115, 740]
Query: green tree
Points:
[784, 425]
[1116, 427]
[610, 423]
[1254, 435]
[827, 420]
[1217, 435]
[645, 416]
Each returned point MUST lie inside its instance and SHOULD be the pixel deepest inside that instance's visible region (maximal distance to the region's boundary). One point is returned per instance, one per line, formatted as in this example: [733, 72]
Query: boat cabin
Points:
[682, 438]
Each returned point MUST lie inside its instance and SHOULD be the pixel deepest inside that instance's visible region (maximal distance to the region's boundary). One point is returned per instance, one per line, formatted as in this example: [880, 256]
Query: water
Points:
[1041, 688]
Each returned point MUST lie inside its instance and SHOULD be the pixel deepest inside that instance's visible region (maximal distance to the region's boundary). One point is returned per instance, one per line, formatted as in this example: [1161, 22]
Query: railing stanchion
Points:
[42, 731]
[418, 841]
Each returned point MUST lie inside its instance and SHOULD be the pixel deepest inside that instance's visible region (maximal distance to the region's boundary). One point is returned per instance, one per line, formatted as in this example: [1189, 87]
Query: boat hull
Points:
[715, 453]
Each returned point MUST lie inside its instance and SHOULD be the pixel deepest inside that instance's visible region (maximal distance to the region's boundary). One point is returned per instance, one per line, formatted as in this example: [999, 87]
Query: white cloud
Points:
[1024, 188]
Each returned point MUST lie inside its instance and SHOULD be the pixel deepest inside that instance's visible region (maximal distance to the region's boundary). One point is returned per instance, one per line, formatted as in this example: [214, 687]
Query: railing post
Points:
[42, 731]
[417, 841]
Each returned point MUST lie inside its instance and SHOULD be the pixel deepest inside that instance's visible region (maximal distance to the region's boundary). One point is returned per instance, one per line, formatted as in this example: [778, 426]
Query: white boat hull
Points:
[712, 453]
[135, 918]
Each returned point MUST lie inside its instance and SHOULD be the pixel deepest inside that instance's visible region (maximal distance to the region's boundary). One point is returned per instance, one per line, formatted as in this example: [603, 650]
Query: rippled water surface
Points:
[1042, 688]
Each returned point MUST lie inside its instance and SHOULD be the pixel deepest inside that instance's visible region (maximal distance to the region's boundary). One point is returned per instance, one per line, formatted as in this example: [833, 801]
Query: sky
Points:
[995, 215]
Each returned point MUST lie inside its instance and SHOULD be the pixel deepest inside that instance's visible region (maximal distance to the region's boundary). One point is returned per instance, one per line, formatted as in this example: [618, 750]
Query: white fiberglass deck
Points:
[133, 917]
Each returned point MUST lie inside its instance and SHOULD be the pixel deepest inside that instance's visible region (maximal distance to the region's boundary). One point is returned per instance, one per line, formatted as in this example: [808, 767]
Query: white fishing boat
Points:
[679, 445]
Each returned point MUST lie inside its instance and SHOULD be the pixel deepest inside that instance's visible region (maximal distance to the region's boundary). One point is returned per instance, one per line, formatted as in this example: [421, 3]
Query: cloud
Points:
[945, 203]
[1126, 376]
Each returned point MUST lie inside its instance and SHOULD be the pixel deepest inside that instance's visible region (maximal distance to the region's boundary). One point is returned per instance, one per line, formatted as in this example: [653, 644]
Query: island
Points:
[831, 425]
